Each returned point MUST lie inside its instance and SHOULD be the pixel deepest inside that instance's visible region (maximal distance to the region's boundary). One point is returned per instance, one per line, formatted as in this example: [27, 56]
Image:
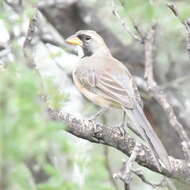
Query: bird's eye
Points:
[87, 38]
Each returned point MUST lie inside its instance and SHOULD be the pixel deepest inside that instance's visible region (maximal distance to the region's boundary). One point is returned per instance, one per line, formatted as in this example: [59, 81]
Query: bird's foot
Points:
[121, 129]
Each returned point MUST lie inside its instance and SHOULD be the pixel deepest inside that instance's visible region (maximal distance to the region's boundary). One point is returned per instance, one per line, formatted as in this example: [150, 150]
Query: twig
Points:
[187, 26]
[139, 32]
[28, 46]
[126, 173]
[159, 95]
[148, 73]
[185, 23]
[17, 7]
[127, 29]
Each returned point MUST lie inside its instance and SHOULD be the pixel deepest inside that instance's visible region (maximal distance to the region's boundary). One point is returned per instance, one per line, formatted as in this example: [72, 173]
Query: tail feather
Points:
[141, 123]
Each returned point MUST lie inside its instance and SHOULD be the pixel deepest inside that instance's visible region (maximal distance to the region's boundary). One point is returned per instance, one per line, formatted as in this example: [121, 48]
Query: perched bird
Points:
[107, 82]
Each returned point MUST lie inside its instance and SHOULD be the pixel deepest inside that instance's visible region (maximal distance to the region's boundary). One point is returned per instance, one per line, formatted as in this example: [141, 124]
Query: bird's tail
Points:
[143, 126]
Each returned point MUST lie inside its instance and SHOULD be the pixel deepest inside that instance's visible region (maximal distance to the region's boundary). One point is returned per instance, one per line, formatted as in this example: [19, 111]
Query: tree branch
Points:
[159, 95]
[185, 23]
[126, 172]
[148, 48]
[121, 140]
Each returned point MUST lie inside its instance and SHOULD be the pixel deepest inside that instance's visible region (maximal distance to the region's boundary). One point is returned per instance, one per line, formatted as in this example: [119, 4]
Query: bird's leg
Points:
[123, 123]
[98, 114]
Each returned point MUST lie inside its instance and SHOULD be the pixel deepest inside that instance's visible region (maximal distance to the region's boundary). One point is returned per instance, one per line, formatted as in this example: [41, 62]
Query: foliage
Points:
[35, 152]
[28, 136]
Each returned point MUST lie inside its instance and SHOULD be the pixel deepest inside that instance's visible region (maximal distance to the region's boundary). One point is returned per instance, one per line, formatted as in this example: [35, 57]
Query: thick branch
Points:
[118, 138]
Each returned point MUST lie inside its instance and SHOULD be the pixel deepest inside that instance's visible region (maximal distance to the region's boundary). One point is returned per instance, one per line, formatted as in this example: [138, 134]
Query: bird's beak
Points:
[74, 40]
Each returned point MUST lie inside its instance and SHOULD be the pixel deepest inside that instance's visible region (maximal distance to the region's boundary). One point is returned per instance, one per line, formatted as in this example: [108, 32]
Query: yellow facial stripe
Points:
[73, 41]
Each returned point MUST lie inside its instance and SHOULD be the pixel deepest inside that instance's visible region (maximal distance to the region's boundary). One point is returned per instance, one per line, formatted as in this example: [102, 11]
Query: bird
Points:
[107, 82]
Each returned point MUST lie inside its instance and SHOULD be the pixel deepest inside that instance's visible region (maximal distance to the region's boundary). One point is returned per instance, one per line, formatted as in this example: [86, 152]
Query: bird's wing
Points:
[118, 86]
[112, 86]
[126, 92]
[137, 94]
[86, 77]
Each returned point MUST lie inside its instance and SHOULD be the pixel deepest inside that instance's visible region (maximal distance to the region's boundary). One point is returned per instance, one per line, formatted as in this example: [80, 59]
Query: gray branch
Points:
[185, 23]
[118, 138]
[159, 94]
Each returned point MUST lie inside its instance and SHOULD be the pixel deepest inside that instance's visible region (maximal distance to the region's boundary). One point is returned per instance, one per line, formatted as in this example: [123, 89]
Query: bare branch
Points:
[173, 9]
[16, 6]
[149, 76]
[186, 24]
[159, 95]
[126, 173]
[139, 32]
[28, 45]
[139, 38]
[121, 140]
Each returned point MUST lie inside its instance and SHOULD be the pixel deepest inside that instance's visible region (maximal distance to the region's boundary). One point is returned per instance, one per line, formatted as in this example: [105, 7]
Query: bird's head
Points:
[90, 41]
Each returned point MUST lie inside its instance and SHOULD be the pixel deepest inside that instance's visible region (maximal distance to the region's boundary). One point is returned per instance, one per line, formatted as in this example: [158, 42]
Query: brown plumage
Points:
[108, 83]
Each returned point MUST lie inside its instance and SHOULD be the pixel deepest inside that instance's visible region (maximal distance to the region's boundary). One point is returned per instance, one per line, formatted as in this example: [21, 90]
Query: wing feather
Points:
[115, 89]
[112, 87]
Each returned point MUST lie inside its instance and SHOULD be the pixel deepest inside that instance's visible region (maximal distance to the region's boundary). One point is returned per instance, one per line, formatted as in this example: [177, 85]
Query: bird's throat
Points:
[87, 52]
[83, 52]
